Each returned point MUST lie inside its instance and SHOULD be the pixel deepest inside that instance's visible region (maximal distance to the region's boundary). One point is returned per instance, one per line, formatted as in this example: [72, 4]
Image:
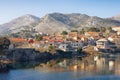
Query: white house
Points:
[77, 44]
[102, 43]
[118, 33]
[117, 28]
[110, 39]
[64, 47]
[71, 45]
[105, 44]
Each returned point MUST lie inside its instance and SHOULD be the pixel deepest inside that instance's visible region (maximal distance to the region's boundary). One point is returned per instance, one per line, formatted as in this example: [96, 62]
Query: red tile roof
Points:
[17, 39]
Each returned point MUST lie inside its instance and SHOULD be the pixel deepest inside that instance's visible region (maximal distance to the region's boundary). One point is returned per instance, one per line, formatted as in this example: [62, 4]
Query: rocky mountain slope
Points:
[21, 23]
[57, 22]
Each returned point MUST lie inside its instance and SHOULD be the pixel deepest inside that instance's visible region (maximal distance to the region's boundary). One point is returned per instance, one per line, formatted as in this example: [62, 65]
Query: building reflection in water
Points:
[117, 66]
[111, 65]
[92, 65]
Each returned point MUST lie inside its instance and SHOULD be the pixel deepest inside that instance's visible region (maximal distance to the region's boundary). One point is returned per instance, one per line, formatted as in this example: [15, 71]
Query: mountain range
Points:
[57, 22]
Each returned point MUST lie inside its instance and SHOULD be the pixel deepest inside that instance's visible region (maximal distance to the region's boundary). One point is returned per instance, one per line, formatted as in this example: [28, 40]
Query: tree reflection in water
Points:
[97, 65]
[94, 65]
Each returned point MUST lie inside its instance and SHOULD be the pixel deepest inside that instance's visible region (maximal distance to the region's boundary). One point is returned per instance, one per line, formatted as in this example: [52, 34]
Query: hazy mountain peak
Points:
[27, 17]
[18, 24]
[116, 17]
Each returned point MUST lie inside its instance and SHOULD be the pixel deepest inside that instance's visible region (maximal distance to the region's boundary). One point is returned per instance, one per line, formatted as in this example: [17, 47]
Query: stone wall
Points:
[27, 54]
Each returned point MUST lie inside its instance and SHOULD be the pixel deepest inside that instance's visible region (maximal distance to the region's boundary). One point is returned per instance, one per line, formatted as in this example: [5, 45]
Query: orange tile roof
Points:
[46, 37]
[17, 39]
[60, 40]
[58, 36]
[52, 40]
[73, 33]
[93, 33]
[96, 37]
[83, 37]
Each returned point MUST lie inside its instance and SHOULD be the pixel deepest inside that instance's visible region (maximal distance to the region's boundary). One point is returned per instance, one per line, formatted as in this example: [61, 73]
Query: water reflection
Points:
[95, 65]
[98, 65]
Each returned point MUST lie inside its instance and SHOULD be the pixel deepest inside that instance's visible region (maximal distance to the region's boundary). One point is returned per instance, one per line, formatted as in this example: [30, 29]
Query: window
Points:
[76, 44]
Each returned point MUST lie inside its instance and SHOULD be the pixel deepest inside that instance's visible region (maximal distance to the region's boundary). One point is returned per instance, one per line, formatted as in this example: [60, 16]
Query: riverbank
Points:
[69, 69]
[29, 54]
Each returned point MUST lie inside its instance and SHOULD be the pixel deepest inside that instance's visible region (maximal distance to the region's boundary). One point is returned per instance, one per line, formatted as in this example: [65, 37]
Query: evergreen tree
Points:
[4, 43]
[64, 33]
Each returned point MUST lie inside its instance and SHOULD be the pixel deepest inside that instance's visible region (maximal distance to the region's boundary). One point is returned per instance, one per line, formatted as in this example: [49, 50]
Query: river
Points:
[99, 67]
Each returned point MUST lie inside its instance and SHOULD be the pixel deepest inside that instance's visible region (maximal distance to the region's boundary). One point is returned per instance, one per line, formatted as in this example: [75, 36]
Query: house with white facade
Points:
[102, 43]
[118, 33]
[65, 47]
[77, 44]
[105, 44]
[71, 45]
[117, 29]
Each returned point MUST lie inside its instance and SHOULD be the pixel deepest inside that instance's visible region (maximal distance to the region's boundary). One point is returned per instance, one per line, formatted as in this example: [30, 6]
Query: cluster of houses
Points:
[73, 40]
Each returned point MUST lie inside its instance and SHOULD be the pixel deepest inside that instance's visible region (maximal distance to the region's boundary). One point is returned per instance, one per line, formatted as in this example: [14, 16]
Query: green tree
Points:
[82, 31]
[102, 29]
[108, 29]
[74, 30]
[4, 43]
[93, 29]
[64, 33]
[51, 49]
[15, 35]
[79, 50]
[38, 37]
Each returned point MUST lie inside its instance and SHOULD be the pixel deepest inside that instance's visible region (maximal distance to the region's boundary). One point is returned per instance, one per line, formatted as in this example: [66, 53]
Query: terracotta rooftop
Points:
[17, 39]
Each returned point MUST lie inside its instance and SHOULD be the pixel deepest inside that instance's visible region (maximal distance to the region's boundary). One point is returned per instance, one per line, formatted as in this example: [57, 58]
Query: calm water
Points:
[87, 68]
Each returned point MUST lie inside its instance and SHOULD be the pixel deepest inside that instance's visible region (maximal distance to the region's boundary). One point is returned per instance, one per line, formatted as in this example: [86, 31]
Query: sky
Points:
[10, 9]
